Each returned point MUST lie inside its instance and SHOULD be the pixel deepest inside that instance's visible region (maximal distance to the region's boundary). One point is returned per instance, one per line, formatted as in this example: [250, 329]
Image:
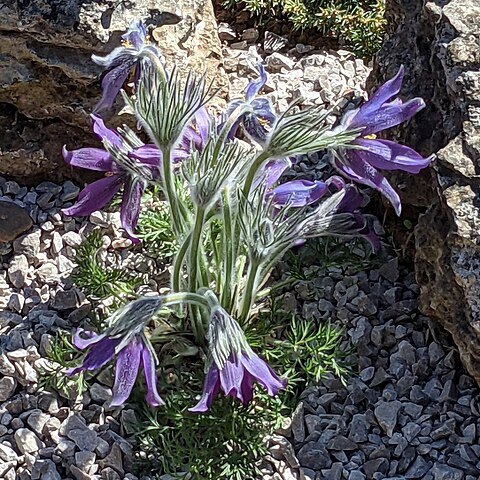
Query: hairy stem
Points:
[178, 263]
[229, 249]
[170, 191]
[252, 172]
[195, 250]
[250, 291]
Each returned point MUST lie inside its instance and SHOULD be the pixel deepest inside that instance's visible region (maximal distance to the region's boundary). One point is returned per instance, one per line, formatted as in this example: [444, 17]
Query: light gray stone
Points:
[17, 271]
[7, 387]
[27, 441]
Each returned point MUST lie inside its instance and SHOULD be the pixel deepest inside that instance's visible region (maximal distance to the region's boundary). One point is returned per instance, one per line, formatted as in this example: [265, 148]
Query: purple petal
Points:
[384, 93]
[148, 154]
[361, 171]
[116, 57]
[112, 83]
[271, 172]
[211, 387]
[299, 193]
[136, 34]
[368, 234]
[99, 354]
[388, 155]
[255, 129]
[262, 372]
[231, 376]
[262, 108]
[95, 196]
[351, 201]
[130, 209]
[190, 139]
[337, 182]
[84, 338]
[153, 398]
[387, 116]
[202, 122]
[256, 85]
[247, 387]
[90, 158]
[126, 371]
[104, 133]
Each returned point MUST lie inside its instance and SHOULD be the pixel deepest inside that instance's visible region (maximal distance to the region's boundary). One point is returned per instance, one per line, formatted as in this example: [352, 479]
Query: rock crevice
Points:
[439, 44]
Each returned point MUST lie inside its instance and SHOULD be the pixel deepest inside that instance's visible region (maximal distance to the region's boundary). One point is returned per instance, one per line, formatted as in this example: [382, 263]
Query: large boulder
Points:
[49, 85]
[439, 44]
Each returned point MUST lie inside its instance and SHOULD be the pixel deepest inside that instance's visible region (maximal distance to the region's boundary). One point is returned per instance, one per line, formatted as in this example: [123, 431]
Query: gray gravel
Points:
[410, 412]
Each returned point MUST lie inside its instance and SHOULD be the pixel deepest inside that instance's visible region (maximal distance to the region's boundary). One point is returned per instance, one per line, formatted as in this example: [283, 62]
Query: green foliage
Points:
[222, 444]
[358, 23]
[303, 350]
[155, 230]
[62, 354]
[227, 442]
[93, 277]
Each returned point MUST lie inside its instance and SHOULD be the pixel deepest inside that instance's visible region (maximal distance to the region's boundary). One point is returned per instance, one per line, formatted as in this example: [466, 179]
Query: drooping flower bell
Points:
[123, 61]
[124, 338]
[233, 366]
[377, 114]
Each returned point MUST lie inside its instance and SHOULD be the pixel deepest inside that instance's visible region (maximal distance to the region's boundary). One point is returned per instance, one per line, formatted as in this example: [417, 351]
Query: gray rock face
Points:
[49, 83]
[439, 44]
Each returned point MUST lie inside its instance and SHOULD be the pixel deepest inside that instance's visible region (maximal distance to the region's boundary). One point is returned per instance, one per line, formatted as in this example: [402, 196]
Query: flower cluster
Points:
[239, 218]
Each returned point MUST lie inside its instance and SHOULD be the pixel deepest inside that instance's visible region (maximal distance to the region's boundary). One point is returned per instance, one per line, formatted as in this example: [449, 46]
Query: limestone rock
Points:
[49, 84]
[439, 44]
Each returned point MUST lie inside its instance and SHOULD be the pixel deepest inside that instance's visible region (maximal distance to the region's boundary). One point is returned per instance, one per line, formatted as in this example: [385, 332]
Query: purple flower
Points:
[102, 348]
[141, 163]
[122, 61]
[126, 339]
[234, 367]
[258, 121]
[298, 193]
[377, 114]
[295, 193]
[196, 134]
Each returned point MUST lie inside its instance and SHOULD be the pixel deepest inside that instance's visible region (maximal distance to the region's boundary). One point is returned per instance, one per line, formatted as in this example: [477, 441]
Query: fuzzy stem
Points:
[170, 191]
[229, 247]
[252, 172]
[178, 263]
[195, 315]
[186, 297]
[250, 291]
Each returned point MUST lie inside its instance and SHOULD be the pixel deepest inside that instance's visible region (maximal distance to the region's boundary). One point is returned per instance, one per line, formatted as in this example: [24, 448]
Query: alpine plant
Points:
[232, 215]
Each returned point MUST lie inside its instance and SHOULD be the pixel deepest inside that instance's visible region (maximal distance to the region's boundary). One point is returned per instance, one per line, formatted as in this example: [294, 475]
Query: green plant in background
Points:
[357, 23]
[62, 354]
[91, 274]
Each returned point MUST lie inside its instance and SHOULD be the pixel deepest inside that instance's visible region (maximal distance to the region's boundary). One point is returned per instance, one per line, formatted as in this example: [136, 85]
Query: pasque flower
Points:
[139, 165]
[369, 154]
[126, 340]
[294, 193]
[234, 367]
[123, 61]
[258, 120]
